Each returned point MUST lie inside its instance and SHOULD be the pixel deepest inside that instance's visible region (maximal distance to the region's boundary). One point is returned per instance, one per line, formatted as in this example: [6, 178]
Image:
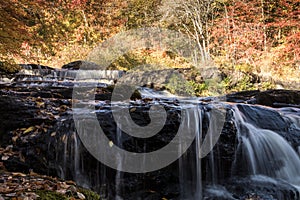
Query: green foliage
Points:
[52, 195]
[245, 83]
[9, 67]
[199, 89]
[178, 85]
[128, 62]
[266, 85]
[226, 83]
[150, 59]
[244, 67]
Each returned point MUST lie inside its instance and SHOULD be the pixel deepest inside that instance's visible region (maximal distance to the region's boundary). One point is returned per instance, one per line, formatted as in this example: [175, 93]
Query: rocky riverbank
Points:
[38, 136]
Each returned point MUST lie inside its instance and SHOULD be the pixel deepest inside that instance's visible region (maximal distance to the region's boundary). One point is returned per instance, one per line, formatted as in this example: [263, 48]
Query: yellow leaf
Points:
[132, 109]
[31, 128]
[40, 104]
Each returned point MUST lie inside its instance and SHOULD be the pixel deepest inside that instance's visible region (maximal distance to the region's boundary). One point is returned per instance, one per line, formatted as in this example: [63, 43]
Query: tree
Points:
[140, 13]
[255, 31]
[16, 26]
[193, 17]
[38, 30]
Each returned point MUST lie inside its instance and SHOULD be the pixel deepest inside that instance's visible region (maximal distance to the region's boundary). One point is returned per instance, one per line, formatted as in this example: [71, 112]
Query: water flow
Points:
[211, 160]
[119, 174]
[28, 74]
[77, 168]
[190, 177]
[265, 151]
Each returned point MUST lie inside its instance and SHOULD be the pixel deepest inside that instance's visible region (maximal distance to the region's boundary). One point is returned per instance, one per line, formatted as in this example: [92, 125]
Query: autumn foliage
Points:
[42, 30]
[261, 36]
[258, 33]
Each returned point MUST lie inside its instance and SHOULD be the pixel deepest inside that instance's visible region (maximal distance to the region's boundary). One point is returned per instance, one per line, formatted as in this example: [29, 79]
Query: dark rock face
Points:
[14, 114]
[52, 152]
[73, 65]
[80, 64]
[272, 98]
[36, 66]
[272, 120]
[279, 98]
[256, 187]
[38, 126]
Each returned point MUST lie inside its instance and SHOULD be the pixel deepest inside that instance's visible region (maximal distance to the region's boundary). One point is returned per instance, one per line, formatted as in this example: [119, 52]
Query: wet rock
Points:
[42, 138]
[263, 117]
[272, 98]
[261, 187]
[80, 64]
[243, 97]
[14, 114]
[35, 66]
[279, 98]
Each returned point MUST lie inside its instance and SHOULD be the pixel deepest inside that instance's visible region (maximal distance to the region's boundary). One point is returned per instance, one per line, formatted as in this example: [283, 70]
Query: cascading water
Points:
[40, 74]
[261, 154]
[257, 148]
[264, 152]
[119, 174]
[190, 177]
[70, 160]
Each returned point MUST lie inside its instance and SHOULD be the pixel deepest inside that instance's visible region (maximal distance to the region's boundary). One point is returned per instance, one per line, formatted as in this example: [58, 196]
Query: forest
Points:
[254, 43]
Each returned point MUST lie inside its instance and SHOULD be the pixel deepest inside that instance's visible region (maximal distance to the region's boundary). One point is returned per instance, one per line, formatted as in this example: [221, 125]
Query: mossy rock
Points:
[89, 195]
[50, 195]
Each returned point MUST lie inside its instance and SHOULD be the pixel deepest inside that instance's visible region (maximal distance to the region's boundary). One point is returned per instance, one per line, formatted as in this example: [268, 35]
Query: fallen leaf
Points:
[40, 104]
[132, 109]
[18, 174]
[14, 139]
[31, 128]
[4, 158]
[80, 195]
[110, 143]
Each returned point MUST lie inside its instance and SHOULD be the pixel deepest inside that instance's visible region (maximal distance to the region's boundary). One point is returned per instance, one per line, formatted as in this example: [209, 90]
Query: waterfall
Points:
[264, 152]
[119, 174]
[150, 93]
[70, 162]
[190, 177]
[250, 153]
[30, 74]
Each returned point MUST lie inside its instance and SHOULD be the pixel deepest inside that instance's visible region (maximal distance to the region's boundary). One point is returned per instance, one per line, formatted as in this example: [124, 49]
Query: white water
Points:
[266, 152]
[190, 177]
[219, 191]
[119, 174]
[28, 74]
[150, 93]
